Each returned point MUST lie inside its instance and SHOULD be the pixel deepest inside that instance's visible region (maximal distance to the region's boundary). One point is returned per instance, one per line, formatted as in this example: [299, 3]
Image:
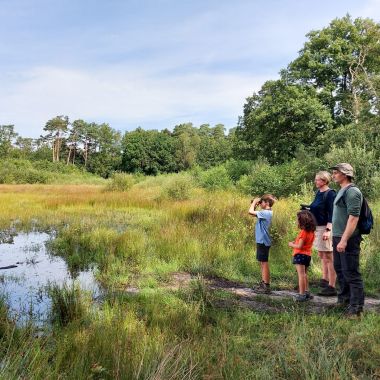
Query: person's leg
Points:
[265, 273]
[325, 273]
[352, 273]
[328, 258]
[306, 281]
[339, 264]
[301, 278]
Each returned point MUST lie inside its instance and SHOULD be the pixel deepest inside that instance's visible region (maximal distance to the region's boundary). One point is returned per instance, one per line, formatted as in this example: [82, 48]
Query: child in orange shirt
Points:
[302, 252]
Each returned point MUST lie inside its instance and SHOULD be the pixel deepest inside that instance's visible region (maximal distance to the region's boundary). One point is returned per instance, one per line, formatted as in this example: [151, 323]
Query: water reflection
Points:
[27, 268]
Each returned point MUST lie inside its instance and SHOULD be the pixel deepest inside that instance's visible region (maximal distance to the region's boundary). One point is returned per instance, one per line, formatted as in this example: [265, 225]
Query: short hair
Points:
[268, 198]
[325, 176]
[306, 220]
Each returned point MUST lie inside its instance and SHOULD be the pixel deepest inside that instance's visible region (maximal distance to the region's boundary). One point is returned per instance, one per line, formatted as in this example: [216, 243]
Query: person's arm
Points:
[352, 222]
[354, 202]
[299, 245]
[329, 208]
[253, 206]
[327, 233]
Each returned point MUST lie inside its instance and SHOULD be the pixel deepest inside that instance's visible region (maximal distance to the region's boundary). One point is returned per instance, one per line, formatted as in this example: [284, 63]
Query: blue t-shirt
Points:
[264, 219]
[322, 207]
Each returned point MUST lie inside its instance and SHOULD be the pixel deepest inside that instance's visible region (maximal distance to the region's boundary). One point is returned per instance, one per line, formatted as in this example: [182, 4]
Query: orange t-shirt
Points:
[308, 238]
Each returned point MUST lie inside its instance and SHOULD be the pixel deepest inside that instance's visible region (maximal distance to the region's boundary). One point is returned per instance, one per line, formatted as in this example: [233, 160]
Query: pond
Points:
[27, 269]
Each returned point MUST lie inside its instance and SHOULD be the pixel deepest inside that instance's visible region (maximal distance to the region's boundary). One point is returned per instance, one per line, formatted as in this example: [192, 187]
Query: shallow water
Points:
[24, 286]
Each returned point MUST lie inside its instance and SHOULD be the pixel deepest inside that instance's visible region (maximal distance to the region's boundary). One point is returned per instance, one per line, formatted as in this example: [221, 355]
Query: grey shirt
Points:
[345, 205]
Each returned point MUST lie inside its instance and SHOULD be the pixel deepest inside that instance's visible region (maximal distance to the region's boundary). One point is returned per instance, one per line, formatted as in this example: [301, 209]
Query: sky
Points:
[149, 63]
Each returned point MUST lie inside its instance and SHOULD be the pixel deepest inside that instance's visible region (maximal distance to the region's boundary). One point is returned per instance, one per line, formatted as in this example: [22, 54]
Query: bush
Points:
[364, 162]
[216, 178]
[120, 182]
[281, 180]
[178, 187]
[237, 168]
[20, 172]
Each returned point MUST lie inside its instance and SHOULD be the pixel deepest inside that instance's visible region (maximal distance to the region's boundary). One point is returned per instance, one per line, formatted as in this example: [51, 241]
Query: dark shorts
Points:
[262, 252]
[302, 259]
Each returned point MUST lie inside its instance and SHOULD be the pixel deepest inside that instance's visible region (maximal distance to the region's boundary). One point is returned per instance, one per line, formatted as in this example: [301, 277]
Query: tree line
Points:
[325, 99]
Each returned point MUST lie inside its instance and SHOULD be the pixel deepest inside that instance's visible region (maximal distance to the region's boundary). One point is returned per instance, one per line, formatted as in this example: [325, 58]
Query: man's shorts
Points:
[302, 259]
[262, 252]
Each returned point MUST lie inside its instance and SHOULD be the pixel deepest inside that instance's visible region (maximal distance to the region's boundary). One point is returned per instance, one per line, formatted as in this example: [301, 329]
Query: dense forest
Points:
[323, 108]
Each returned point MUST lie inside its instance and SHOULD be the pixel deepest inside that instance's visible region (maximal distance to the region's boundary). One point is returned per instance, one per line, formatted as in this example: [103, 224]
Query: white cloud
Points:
[134, 97]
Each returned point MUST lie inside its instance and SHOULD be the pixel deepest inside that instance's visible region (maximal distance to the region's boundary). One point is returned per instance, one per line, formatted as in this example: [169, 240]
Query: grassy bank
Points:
[139, 237]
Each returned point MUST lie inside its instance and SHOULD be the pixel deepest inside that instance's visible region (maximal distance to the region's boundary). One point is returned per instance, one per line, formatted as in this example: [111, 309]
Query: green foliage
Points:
[342, 61]
[365, 163]
[149, 152]
[21, 171]
[280, 119]
[7, 135]
[178, 187]
[105, 154]
[215, 148]
[120, 182]
[237, 168]
[216, 178]
[280, 180]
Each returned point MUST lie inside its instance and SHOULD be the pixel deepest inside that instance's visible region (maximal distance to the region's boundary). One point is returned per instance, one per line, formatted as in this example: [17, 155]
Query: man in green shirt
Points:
[347, 239]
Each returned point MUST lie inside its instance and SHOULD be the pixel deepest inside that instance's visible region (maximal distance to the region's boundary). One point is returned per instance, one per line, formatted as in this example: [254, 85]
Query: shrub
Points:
[280, 180]
[120, 182]
[216, 178]
[178, 187]
[237, 168]
[21, 171]
[365, 164]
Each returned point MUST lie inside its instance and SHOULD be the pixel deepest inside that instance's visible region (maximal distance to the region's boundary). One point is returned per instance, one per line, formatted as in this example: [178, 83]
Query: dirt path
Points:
[276, 301]
[247, 295]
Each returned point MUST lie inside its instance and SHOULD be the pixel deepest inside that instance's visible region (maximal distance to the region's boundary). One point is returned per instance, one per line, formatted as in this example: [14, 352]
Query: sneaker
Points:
[353, 312]
[323, 283]
[309, 296]
[262, 288]
[260, 285]
[300, 298]
[341, 304]
[329, 291]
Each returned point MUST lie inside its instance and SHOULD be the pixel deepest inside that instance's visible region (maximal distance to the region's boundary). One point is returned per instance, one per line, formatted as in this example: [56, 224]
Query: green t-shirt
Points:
[343, 208]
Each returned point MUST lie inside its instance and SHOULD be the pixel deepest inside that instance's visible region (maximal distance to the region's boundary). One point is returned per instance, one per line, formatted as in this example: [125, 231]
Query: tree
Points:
[106, 150]
[25, 146]
[149, 152]
[187, 143]
[215, 147]
[57, 129]
[7, 135]
[73, 140]
[342, 62]
[281, 118]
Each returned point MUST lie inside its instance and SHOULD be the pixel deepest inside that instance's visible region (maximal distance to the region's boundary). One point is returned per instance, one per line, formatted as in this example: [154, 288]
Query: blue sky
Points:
[149, 63]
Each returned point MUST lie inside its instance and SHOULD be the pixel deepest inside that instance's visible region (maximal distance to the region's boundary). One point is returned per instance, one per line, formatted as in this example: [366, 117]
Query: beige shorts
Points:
[320, 244]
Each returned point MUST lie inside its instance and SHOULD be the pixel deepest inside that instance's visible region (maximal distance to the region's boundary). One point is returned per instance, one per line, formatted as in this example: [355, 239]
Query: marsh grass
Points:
[67, 303]
[137, 238]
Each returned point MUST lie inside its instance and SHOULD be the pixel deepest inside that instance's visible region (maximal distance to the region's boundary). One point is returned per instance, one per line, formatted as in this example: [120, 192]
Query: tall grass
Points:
[67, 303]
[137, 238]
